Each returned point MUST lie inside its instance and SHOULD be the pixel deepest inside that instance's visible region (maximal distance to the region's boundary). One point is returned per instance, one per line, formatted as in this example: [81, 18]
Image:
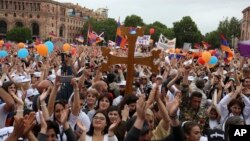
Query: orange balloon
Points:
[177, 50]
[1, 42]
[206, 56]
[20, 45]
[42, 50]
[66, 47]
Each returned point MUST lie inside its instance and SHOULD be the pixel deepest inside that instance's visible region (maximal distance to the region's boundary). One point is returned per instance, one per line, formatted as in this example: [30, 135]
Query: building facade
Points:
[45, 17]
[245, 25]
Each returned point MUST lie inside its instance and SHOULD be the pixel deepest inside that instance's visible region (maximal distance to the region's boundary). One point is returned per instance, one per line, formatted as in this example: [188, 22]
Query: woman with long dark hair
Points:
[100, 129]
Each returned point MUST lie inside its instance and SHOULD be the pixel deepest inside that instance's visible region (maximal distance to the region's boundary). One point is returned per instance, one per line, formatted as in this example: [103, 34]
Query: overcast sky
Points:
[205, 13]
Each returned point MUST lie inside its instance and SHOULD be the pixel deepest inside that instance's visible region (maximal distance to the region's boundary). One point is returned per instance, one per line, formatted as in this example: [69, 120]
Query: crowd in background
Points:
[64, 96]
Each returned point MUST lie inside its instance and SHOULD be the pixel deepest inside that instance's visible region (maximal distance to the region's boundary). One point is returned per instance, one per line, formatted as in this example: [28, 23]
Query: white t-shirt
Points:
[5, 132]
[106, 138]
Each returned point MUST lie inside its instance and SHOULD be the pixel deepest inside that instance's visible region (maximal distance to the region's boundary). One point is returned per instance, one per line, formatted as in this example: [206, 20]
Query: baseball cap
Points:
[32, 92]
[22, 79]
[216, 135]
[122, 83]
[190, 78]
[37, 74]
[159, 77]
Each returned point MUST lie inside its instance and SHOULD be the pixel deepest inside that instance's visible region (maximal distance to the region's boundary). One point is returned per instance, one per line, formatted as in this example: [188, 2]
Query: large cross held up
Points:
[131, 59]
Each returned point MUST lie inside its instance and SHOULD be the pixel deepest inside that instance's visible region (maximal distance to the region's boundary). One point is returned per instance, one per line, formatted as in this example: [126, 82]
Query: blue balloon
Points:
[23, 53]
[3, 54]
[49, 45]
[213, 60]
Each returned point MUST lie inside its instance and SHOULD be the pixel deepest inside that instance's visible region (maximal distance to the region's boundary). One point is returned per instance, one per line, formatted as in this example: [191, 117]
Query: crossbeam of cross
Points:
[131, 59]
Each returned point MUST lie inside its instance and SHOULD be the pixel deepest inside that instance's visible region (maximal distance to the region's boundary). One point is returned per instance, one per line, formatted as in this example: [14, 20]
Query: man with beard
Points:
[129, 100]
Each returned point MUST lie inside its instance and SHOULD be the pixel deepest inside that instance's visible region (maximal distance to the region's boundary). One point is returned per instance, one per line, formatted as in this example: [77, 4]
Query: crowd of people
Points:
[65, 97]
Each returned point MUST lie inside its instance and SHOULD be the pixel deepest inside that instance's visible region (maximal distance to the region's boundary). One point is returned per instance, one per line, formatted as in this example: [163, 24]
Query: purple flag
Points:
[244, 48]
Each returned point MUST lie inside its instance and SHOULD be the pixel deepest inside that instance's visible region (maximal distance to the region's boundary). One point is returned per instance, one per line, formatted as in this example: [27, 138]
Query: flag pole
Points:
[87, 40]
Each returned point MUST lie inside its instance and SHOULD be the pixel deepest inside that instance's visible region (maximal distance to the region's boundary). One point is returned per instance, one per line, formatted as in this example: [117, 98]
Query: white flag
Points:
[165, 43]
[171, 43]
[162, 42]
[187, 46]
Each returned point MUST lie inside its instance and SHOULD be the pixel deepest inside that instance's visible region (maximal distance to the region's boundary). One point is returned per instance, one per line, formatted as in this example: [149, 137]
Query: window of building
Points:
[30, 15]
[6, 15]
[14, 15]
[38, 16]
[38, 7]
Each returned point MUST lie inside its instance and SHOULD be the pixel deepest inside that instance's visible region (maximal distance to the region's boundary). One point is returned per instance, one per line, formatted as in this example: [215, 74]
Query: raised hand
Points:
[125, 113]
[64, 116]
[81, 126]
[174, 105]
[113, 125]
[29, 122]
[74, 82]
[16, 99]
[45, 94]
[141, 107]
[18, 127]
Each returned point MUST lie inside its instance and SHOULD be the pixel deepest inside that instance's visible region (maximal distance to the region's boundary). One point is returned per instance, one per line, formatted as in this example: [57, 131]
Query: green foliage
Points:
[160, 28]
[133, 21]
[213, 38]
[186, 31]
[229, 28]
[19, 34]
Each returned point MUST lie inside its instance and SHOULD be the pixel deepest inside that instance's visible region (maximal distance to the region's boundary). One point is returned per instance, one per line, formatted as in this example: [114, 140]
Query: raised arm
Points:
[10, 103]
[76, 102]
[163, 110]
[52, 96]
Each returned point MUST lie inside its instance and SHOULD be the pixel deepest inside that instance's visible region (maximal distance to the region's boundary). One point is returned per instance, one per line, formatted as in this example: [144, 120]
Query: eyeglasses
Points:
[100, 118]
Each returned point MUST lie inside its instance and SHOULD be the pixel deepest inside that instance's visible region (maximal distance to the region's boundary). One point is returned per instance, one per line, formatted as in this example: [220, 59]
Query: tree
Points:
[229, 28]
[186, 31]
[107, 26]
[160, 28]
[19, 34]
[213, 39]
[133, 21]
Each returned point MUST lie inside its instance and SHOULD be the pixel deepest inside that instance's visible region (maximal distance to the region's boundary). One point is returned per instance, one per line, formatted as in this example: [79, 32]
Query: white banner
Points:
[145, 40]
[187, 46]
[165, 43]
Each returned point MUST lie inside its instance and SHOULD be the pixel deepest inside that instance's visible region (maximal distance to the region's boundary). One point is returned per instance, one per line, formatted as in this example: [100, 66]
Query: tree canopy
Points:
[19, 34]
[184, 30]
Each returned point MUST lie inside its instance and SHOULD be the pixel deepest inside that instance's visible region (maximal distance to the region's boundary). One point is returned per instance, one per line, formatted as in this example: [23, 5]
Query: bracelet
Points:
[44, 105]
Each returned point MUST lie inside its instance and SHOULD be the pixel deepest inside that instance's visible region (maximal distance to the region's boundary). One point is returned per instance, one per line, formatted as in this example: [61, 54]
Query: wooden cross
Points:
[130, 60]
